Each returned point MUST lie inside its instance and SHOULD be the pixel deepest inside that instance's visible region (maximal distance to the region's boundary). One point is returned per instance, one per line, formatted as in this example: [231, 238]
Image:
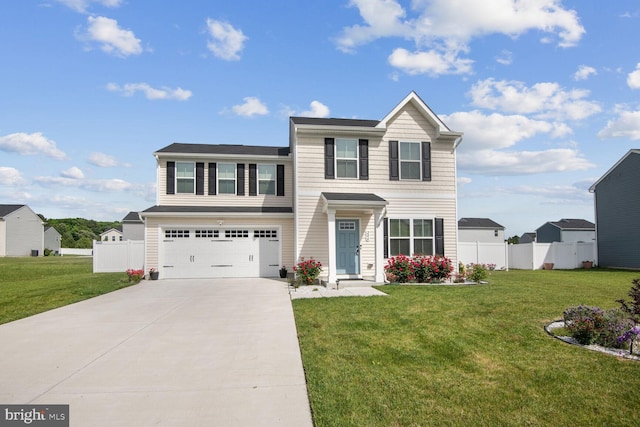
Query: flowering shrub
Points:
[584, 323]
[477, 272]
[307, 271]
[135, 275]
[421, 269]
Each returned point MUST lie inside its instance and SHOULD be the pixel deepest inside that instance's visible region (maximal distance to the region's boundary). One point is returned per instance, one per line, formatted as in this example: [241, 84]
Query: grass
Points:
[472, 355]
[32, 285]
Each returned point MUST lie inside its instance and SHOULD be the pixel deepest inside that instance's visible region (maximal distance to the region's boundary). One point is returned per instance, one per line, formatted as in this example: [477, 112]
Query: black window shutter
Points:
[253, 179]
[200, 178]
[171, 177]
[393, 161]
[280, 180]
[328, 158]
[212, 179]
[240, 179]
[363, 145]
[385, 233]
[426, 161]
[439, 228]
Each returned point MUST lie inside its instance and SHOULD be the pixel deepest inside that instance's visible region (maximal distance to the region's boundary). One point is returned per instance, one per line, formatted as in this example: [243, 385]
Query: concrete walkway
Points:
[321, 292]
[167, 352]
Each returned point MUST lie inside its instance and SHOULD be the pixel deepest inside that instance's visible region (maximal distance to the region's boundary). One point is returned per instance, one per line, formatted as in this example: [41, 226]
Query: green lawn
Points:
[32, 285]
[469, 355]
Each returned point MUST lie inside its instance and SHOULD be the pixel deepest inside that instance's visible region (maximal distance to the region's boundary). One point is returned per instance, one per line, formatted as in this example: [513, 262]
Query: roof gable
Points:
[595, 184]
[132, 217]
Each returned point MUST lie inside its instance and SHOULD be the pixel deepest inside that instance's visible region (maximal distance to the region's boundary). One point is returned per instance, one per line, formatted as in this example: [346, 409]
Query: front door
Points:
[347, 246]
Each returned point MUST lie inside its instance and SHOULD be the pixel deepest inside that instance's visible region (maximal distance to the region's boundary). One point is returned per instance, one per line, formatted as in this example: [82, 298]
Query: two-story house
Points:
[349, 193]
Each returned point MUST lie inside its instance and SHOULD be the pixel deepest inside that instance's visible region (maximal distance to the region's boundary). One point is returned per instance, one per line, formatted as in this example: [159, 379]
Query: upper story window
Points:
[346, 158]
[185, 177]
[227, 178]
[267, 179]
[409, 160]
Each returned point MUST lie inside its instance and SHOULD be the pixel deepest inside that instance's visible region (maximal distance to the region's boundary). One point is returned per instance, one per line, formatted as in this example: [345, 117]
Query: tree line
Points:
[80, 232]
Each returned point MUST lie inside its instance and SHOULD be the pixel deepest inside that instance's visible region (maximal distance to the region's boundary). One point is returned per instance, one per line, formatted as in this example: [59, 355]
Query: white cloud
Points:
[633, 79]
[112, 39]
[444, 28]
[129, 89]
[317, 109]
[584, 72]
[252, 107]
[431, 62]
[82, 5]
[561, 193]
[30, 144]
[495, 131]
[93, 185]
[495, 162]
[505, 58]
[626, 125]
[226, 41]
[73, 173]
[545, 100]
[10, 176]
[462, 180]
[102, 160]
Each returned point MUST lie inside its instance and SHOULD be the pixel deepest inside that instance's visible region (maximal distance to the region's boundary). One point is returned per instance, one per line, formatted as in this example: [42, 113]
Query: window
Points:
[227, 178]
[265, 234]
[228, 234]
[410, 237]
[185, 178]
[121, 238]
[210, 234]
[347, 158]
[176, 234]
[409, 160]
[113, 238]
[267, 179]
[106, 239]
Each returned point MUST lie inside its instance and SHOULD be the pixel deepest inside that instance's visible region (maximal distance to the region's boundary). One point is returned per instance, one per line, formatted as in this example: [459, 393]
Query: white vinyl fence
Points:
[484, 253]
[113, 257]
[76, 251]
[532, 256]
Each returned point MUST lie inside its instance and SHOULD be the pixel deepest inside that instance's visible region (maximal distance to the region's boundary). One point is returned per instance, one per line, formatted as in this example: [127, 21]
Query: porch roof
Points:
[356, 201]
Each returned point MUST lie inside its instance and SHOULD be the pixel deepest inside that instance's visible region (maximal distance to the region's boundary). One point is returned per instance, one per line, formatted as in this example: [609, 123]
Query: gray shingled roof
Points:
[478, 223]
[7, 209]
[249, 150]
[218, 209]
[360, 197]
[574, 224]
[334, 122]
[132, 217]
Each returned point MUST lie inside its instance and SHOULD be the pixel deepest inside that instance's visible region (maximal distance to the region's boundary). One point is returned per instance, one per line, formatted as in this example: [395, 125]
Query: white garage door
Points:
[196, 252]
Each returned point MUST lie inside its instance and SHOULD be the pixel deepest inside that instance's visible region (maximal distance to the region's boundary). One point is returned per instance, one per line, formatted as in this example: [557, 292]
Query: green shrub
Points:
[477, 272]
[584, 323]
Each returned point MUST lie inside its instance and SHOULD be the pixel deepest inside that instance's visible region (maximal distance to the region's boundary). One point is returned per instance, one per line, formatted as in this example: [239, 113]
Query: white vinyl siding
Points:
[23, 233]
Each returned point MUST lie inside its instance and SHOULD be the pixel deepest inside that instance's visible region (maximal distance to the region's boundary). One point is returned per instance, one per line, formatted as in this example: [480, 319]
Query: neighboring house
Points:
[21, 231]
[52, 240]
[111, 235]
[349, 193]
[132, 227]
[480, 230]
[617, 208]
[566, 231]
[528, 238]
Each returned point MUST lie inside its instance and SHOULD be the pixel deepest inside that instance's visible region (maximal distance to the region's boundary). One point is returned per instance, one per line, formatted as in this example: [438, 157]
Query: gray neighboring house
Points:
[132, 227]
[529, 237]
[566, 231]
[52, 240]
[480, 230]
[617, 210]
[21, 231]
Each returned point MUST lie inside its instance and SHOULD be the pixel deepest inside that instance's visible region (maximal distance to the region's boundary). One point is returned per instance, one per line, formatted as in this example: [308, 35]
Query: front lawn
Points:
[31, 285]
[468, 355]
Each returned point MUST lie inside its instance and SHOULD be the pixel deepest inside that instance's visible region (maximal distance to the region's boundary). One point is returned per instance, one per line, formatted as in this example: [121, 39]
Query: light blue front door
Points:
[347, 246]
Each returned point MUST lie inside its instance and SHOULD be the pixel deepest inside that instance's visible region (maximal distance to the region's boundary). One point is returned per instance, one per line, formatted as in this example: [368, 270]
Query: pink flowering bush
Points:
[307, 271]
[421, 269]
[135, 275]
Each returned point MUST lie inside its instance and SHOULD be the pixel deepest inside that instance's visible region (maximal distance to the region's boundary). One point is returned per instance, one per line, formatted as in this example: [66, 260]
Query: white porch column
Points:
[331, 227]
[379, 246]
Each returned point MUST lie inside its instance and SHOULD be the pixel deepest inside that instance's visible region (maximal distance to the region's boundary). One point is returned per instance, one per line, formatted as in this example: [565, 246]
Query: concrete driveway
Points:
[220, 352]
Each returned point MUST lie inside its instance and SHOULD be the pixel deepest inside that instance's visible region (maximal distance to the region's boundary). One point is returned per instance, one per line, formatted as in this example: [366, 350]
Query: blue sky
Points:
[546, 91]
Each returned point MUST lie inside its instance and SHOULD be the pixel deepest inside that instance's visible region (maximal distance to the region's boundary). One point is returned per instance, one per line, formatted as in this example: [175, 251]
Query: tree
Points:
[514, 240]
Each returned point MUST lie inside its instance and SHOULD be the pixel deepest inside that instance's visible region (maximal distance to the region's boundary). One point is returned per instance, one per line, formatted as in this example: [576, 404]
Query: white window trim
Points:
[419, 161]
[275, 179]
[193, 164]
[356, 159]
[412, 237]
[235, 179]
